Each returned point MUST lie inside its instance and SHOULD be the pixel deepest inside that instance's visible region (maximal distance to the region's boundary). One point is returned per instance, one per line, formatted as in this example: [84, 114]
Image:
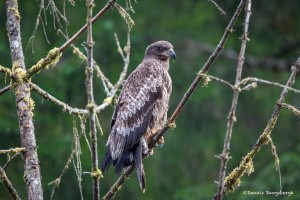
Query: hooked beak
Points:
[172, 53]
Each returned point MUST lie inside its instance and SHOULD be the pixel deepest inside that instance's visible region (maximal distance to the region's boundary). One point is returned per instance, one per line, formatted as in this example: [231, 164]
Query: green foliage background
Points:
[186, 167]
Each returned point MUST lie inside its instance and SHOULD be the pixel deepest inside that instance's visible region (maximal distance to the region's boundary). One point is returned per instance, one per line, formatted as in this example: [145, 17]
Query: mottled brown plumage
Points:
[141, 110]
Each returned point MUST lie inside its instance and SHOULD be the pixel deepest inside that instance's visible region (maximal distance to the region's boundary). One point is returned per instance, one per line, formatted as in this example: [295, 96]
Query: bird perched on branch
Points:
[141, 110]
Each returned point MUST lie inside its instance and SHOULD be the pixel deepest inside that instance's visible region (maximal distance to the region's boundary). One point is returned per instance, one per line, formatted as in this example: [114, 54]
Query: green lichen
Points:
[97, 173]
[124, 15]
[15, 11]
[172, 125]
[51, 59]
[233, 180]
[108, 100]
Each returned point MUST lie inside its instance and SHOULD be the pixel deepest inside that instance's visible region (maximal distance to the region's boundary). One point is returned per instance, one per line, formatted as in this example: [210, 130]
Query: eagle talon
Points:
[159, 145]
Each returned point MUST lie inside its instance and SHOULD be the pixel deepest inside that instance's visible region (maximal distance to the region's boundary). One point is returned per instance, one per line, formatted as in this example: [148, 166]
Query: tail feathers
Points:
[133, 155]
[125, 160]
[106, 162]
[139, 167]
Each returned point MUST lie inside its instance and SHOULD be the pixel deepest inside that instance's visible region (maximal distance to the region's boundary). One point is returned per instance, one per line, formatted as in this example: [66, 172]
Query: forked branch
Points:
[4, 179]
[232, 181]
[231, 116]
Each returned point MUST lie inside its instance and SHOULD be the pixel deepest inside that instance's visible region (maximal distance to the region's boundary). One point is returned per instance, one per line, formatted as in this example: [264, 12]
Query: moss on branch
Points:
[51, 59]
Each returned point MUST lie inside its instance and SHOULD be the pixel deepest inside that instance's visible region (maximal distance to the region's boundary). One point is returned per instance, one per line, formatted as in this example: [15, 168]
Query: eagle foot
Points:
[160, 142]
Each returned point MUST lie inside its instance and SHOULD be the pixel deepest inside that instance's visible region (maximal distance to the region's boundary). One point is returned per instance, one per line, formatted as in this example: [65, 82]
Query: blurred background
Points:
[186, 167]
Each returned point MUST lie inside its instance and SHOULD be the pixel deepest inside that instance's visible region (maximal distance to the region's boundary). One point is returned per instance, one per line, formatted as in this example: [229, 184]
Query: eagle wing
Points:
[134, 109]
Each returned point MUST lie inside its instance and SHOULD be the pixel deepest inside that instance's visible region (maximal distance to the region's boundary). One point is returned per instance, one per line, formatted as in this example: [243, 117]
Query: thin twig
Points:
[75, 157]
[183, 101]
[218, 7]
[258, 80]
[64, 106]
[91, 106]
[232, 181]
[295, 110]
[217, 79]
[5, 71]
[77, 160]
[13, 150]
[122, 76]
[57, 181]
[98, 15]
[106, 83]
[231, 116]
[5, 89]
[13, 192]
[39, 17]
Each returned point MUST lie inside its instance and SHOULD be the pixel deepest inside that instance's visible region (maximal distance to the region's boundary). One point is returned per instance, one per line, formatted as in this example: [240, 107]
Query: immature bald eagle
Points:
[141, 110]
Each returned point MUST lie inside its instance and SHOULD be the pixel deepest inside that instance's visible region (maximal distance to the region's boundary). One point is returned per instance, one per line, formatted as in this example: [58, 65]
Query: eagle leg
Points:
[139, 166]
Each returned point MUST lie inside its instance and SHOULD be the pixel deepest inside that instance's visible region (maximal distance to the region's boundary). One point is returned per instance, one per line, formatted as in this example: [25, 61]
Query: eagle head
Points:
[161, 50]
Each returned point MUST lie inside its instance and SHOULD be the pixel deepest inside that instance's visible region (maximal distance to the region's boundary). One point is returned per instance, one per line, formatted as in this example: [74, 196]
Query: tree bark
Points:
[24, 103]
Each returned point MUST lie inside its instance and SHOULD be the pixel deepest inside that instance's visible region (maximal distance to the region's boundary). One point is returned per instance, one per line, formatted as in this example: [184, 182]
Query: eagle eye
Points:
[159, 48]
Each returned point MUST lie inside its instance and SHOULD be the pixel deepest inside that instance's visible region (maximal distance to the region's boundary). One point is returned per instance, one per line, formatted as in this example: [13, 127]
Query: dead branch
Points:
[5, 89]
[295, 110]
[105, 81]
[24, 104]
[122, 76]
[219, 80]
[5, 71]
[91, 106]
[231, 116]
[271, 62]
[64, 106]
[232, 181]
[112, 191]
[4, 179]
[258, 80]
[218, 7]
[98, 15]
[15, 150]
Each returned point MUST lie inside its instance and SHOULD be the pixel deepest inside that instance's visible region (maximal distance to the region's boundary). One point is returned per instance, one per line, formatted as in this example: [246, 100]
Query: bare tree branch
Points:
[21, 89]
[91, 106]
[13, 192]
[231, 116]
[295, 110]
[218, 7]
[105, 81]
[258, 80]
[64, 106]
[5, 71]
[122, 76]
[13, 150]
[170, 122]
[39, 17]
[5, 89]
[208, 77]
[250, 82]
[270, 62]
[98, 15]
[232, 181]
